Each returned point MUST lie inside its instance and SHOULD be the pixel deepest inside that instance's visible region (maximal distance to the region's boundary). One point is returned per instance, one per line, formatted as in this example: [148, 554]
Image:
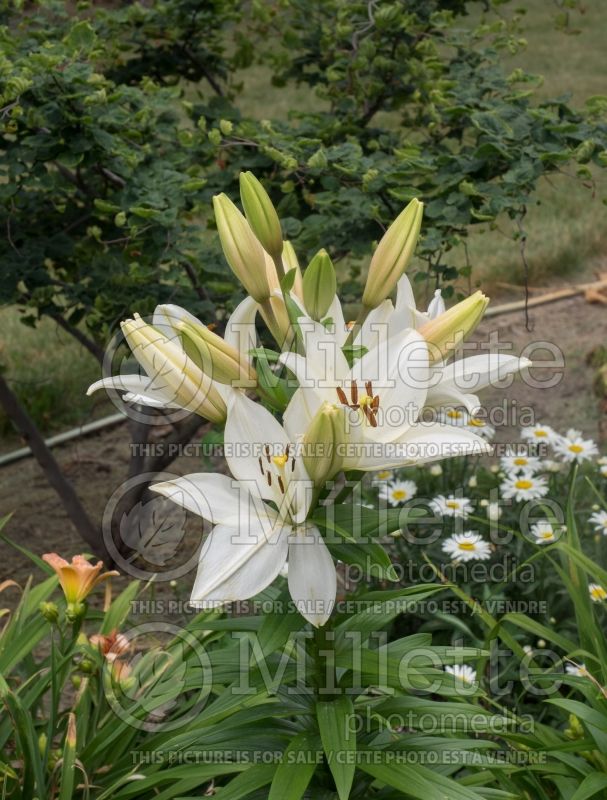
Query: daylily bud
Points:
[217, 358]
[75, 611]
[319, 285]
[444, 333]
[392, 254]
[50, 612]
[191, 388]
[322, 444]
[261, 214]
[242, 249]
[289, 259]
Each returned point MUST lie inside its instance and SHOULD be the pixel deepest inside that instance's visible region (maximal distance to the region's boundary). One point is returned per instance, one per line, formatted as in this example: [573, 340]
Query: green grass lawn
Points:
[50, 373]
[566, 231]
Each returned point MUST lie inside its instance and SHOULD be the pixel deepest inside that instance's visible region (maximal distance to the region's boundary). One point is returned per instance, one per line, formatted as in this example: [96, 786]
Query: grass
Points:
[565, 227]
[49, 372]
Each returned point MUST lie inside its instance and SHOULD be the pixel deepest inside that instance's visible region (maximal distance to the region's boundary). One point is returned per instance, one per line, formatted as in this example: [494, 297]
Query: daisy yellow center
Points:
[521, 461]
[383, 475]
[598, 593]
[452, 504]
[399, 494]
[576, 448]
[452, 414]
[547, 535]
[524, 484]
[466, 546]
[477, 423]
[540, 434]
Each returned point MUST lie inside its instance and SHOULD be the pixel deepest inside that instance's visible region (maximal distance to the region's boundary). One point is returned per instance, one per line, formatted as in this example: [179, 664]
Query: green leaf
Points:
[590, 786]
[69, 760]
[338, 741]
[287, 282]
[81, 37]
[414, 780]
[296, 768]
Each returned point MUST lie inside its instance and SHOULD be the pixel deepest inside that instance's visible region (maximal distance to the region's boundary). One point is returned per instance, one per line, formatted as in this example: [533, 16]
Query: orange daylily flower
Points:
[79, 578]
[111, 646]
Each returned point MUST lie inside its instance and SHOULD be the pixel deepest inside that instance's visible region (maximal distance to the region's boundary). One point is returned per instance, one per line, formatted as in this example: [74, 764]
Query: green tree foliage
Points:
[118, 126]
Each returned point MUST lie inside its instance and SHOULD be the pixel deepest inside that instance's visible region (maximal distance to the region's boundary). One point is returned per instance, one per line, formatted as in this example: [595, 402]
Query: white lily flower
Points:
[381, 397]
[449, 385]
[173, 379]
[251, 540]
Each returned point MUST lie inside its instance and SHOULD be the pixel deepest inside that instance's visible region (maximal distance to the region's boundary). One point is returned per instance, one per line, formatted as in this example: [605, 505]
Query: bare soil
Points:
[97, 465]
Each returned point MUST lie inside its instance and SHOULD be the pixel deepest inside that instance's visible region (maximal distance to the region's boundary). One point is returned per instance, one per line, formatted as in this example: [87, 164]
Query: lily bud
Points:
[322, 444]
[242, 249]
[217, 358]
[50, 612]
[319, 285]
[444, 333]
[189, 386]
[261, 214]
[392, 254]
[290, 261]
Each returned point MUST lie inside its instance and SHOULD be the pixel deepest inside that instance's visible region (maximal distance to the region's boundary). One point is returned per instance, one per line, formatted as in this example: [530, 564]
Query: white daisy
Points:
[397, 492]
[473, 482]
[525, 486]
[545, 533]
[603, 470]
[467, 546]
[520, 462]
[451, 506]
[597, 593]
[602, 461]
[579, 670]
[599, 520]
[573, 447]
[538, 434]
[436, 470]
[480, 427]
[477, 425]
[455, 416]
[382, 476]
[549, 465]
[463, 673]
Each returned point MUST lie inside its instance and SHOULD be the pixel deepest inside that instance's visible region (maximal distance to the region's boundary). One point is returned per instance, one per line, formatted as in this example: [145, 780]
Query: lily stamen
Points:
[368, 403]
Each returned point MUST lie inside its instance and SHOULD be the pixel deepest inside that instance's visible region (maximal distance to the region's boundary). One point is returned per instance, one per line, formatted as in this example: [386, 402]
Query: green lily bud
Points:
[392, 254]
[319, 285]
[50, 612]
[42, 741]
[75, 611]
[322, 444]
[261, 214]
[216, 358]
[444, 333]
[242, 249]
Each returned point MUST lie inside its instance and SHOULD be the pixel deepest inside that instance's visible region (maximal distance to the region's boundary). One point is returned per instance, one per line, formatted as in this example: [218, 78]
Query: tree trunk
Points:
[67, 494]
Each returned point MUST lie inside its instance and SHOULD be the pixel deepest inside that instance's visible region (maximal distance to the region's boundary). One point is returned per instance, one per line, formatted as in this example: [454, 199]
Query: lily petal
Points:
[419, 445]
[218, 499]
[235, 568]
[312, 577]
